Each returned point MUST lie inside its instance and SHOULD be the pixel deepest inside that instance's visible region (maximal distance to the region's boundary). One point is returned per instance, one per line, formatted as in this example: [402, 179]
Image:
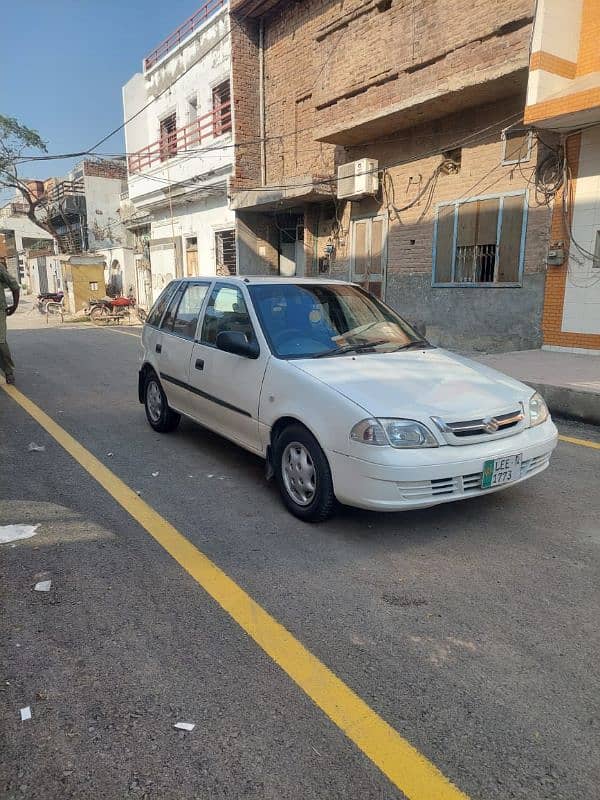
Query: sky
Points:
[63, 64]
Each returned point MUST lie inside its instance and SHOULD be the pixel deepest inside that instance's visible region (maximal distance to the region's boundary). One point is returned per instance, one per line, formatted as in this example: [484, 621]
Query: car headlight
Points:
[538, 410]
[399, 433]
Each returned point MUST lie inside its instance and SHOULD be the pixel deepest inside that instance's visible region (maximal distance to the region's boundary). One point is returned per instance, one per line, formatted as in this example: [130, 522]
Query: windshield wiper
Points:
[417, 343]
[352, 348]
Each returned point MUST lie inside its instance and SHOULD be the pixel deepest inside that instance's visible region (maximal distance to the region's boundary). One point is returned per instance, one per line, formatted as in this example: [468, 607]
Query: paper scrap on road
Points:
[155, 474]
[109, 455]
[36, 448]
[42, 586]
[10, 533]
[25, 713]
[185, 726]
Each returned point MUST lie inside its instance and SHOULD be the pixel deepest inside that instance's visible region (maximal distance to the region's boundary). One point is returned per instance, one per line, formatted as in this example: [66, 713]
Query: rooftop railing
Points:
[206, 11]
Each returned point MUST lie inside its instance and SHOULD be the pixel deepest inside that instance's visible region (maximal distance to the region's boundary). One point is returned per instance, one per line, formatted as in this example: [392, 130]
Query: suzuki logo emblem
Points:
[490, 425]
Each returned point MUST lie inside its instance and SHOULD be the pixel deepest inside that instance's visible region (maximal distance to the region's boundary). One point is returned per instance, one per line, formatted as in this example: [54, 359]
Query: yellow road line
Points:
[403, 764]
[580, 442]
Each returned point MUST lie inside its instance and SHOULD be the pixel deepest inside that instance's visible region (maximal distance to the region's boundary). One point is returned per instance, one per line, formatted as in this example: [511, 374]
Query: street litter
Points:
[42, 586]
[155, 474]
[25, 714]
[210, 475]
[109, 455]
[36, 448]
[10, 533]
[185, 726]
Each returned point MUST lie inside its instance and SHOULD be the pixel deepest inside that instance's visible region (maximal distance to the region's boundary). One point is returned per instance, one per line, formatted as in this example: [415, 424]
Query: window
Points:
[169, 317]
[225, 253]
[221, 104]
[158, 309]
[226, 311]
[93, 286]
[480, 240]
[185, 320]
[168, 137]
[517, 146]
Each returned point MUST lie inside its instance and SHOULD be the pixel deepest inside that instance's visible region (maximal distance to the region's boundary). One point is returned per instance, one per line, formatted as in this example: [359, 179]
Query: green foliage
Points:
[15, 138]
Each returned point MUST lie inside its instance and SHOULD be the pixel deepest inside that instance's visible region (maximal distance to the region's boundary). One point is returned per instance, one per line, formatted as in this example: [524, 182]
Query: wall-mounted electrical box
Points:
[358, 179]
[555, 257]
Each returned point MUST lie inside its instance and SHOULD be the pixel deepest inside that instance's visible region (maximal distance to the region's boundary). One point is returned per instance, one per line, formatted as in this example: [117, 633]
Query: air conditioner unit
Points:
[358, 179]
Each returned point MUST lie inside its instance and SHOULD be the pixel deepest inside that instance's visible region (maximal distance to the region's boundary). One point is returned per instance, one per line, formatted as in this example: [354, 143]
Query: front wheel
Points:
[162, 418]
[303, 475]
[99, 315]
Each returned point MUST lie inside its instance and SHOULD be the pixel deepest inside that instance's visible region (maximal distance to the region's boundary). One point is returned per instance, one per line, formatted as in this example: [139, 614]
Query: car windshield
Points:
[322, 320]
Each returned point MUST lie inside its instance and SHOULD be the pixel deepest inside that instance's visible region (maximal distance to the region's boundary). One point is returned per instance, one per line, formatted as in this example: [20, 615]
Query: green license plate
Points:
[501, 470]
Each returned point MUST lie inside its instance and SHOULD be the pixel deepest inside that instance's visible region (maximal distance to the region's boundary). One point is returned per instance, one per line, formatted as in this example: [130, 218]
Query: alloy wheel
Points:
[299, 474]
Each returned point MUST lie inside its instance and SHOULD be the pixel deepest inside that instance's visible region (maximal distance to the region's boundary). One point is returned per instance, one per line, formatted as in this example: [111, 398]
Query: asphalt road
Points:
[472, 629]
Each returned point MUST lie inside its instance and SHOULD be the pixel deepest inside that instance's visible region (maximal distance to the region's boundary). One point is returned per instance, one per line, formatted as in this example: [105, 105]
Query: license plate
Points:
[501, 470]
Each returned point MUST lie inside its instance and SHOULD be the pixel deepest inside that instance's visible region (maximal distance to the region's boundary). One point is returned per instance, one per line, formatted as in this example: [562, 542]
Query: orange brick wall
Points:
[589, 50]
[556, 277]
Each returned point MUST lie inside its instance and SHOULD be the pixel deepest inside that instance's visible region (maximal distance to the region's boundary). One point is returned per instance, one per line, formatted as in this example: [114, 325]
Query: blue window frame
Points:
[480, 241]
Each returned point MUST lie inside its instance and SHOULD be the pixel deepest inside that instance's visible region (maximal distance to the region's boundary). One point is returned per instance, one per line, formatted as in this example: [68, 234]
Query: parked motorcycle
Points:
[47, 301]
[102, 311]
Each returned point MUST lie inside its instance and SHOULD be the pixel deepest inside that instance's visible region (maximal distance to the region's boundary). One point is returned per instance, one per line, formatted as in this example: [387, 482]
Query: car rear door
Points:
[175, 342]
[228, 385]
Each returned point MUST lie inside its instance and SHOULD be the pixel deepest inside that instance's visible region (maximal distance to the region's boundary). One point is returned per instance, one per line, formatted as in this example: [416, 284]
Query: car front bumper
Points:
[420, 479]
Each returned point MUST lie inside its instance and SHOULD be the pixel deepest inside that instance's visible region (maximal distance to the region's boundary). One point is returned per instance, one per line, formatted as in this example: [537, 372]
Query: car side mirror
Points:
[237, 343]
[420, 327]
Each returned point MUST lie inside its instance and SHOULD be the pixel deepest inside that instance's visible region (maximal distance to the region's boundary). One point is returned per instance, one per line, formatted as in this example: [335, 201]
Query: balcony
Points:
[180, 141]
[66, 189]
[205, 12]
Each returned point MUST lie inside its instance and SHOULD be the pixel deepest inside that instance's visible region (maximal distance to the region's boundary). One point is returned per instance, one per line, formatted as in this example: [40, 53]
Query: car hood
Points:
[418, 384]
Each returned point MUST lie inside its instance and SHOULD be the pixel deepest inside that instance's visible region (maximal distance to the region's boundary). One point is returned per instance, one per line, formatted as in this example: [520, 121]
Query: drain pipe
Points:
[261, 100]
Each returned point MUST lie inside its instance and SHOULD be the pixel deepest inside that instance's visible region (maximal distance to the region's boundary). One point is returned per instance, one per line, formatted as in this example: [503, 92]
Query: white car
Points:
[340, 396]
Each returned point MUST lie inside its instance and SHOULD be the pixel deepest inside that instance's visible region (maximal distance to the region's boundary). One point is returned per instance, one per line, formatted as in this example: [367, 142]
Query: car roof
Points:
[264, 279]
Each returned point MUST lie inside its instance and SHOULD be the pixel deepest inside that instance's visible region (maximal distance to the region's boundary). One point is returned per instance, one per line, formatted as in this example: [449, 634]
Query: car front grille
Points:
[461, 485]
[485, 428]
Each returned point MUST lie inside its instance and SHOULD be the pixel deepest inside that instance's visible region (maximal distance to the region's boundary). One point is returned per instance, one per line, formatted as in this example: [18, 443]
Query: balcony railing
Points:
[211, 125]
[206, 10]
[66, 189]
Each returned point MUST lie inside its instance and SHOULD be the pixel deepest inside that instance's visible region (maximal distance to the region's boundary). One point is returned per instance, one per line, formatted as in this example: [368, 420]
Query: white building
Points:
[179, 141]
[19, 235]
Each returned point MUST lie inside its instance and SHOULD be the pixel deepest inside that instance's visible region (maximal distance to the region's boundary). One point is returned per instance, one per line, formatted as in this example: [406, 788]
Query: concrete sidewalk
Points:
[569, 382]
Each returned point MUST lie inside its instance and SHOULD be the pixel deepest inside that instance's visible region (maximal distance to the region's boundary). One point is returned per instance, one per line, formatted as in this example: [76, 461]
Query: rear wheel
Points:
[303, 475]
[162, 418]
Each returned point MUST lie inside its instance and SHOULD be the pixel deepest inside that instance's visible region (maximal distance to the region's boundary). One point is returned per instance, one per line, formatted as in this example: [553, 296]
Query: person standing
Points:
[7, 282]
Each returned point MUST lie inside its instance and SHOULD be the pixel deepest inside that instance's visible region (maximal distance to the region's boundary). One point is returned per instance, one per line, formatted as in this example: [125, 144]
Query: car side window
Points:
[188, 311]
[158, 309]
[226, 311]
[169, 318]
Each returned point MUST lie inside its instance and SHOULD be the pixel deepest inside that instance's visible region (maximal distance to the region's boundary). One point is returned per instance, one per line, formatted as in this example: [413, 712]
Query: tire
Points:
[141, 314]
[98, 315]
[303, 475]
[160, 417]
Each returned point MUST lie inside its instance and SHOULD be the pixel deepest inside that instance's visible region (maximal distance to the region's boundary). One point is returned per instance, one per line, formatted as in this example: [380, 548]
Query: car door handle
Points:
[159, 348]
[199, 363]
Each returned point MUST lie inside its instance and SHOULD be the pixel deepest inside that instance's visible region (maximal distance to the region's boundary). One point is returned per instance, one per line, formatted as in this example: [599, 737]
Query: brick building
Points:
[423, 102]
[564, 95]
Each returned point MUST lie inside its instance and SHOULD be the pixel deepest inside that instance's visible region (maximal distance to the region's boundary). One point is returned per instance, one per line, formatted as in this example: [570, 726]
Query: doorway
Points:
[292, 260]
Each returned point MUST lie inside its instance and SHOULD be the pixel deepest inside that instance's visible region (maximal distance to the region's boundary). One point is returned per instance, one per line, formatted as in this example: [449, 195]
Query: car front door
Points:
[175, 342]
[228, 385]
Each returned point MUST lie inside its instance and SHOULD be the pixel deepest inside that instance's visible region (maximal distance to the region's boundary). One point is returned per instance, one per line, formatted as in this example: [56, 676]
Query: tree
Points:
[15, 140]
